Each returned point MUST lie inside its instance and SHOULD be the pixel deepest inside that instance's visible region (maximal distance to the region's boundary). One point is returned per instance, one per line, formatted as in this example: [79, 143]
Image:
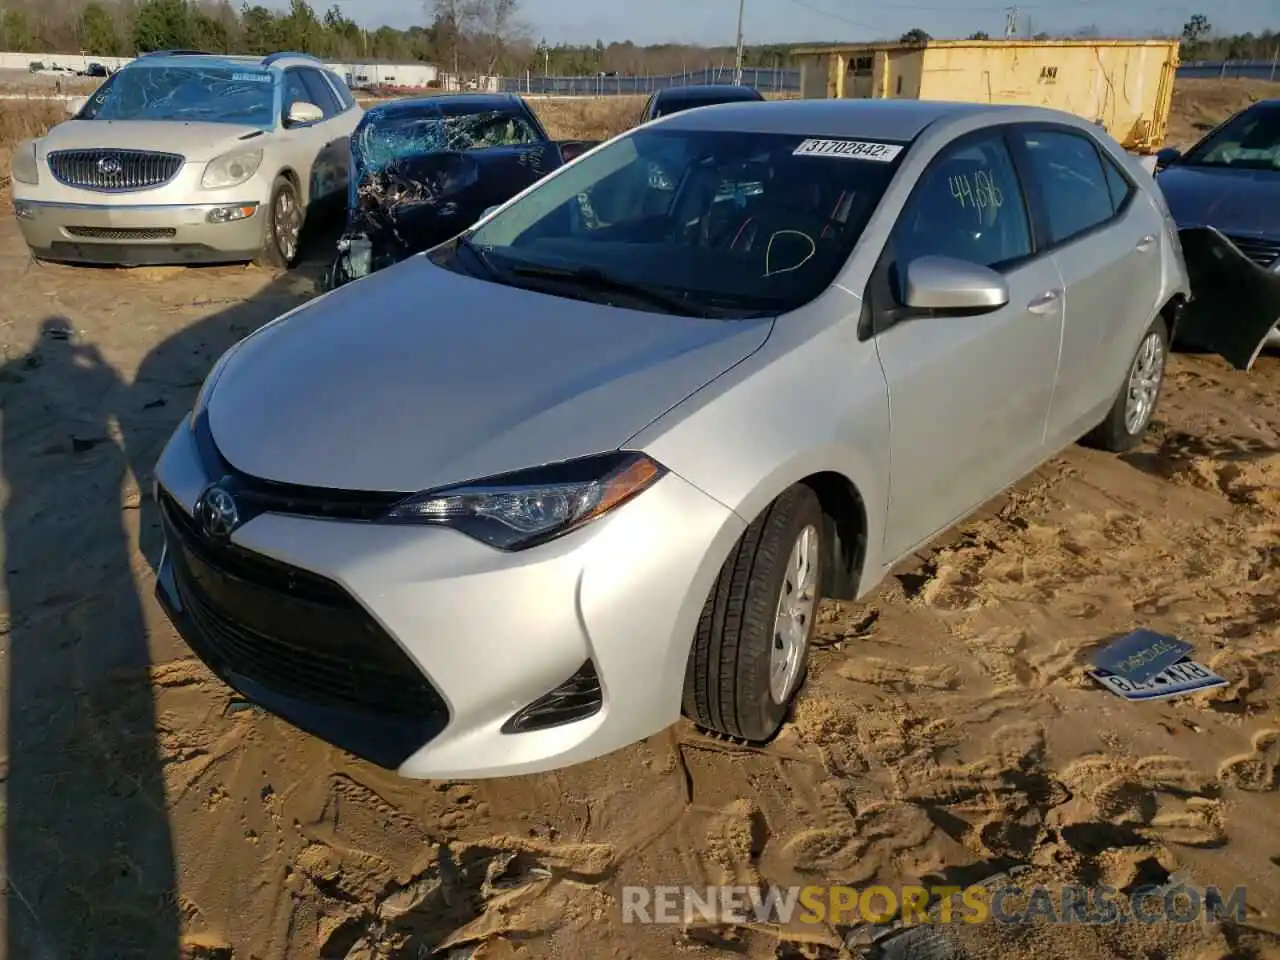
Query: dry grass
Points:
[1200, 105]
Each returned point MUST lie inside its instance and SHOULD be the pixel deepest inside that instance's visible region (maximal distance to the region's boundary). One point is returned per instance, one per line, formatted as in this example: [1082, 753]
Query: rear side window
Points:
[344, 92]
[1074, 186]
[320, 93]
[1117, 183]
[969, 206]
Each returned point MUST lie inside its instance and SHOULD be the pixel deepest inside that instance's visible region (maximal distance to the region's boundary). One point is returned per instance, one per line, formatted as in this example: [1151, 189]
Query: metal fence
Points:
[1231, 69]
[788, 81]
[762, 78]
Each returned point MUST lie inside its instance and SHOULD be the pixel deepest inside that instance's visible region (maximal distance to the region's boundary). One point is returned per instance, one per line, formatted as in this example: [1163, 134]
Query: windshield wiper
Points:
[592, 278]
[478, 254]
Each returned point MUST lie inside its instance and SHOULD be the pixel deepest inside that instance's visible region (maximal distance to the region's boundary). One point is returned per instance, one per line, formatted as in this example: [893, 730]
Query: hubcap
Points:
[1144, 384]
[794, 618]
[288, 224]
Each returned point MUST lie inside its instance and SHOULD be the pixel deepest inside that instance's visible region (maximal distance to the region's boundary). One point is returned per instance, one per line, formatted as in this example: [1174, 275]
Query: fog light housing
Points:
[576, 699]
[241, 211]
[23, 211]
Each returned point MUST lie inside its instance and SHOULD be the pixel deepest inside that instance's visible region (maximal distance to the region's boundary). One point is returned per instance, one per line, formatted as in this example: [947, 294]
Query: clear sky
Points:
[772, 21]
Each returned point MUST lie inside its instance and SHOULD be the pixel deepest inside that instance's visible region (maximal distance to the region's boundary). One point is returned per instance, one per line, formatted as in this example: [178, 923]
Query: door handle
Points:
[1046, 303]
[1146, 243]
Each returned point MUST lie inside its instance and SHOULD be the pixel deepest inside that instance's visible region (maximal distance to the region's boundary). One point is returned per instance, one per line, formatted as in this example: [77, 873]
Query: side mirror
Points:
[570, 150]
[76, 105]
[1167, 156]
[953, 286]
[301, 113]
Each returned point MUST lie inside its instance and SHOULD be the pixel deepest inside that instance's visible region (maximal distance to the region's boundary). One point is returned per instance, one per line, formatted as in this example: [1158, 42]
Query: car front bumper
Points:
[138, 235]
[485, 633]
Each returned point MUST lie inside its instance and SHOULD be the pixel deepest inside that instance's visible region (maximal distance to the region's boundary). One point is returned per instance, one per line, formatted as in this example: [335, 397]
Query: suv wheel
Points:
[751, 647]
[1130, 415]
[282, 232]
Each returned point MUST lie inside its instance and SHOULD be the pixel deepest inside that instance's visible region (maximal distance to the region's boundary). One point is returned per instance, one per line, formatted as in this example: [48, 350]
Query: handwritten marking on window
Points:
[980, 193]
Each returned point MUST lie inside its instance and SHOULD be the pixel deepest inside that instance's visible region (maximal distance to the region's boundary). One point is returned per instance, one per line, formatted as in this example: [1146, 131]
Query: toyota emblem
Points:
[110, 166]
[217, 513]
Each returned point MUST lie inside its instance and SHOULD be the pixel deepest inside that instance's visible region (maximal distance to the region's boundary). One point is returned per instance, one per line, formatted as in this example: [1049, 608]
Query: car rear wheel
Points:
[1127, 420]
[282, 231]
[751, 647]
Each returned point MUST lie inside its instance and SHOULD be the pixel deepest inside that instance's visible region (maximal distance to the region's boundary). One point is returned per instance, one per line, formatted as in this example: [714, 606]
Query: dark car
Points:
[96, 70]
[675, 99]
[1224, 195]
[425, 169]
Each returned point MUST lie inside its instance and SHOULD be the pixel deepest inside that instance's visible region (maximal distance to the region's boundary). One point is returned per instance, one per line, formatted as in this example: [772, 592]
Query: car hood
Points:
[418, 377]
[195, 141]
[1234, 201]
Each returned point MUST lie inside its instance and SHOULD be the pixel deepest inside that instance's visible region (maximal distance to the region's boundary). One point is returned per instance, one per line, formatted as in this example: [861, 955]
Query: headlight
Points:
[23, 163]
[231, 169]
[523, 509]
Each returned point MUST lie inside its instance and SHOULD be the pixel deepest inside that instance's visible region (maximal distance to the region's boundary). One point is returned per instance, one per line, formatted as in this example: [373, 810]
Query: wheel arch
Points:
[844, 535]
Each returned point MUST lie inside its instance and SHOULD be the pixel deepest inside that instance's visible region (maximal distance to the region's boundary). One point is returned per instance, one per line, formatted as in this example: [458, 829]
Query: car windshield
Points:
[201, 94]
[1251, 140]
[381, 141]
[703, 222]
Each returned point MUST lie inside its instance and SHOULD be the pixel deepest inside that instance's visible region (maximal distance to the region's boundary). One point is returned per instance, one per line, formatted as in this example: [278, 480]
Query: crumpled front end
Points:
[1235, 295]
[418, 179]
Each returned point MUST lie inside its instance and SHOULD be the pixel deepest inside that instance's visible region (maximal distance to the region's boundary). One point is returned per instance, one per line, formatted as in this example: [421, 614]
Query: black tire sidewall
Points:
[759, 714]
[271, 253]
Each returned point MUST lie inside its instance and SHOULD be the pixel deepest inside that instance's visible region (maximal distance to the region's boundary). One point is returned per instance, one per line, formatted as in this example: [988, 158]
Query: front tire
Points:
[1127, 420]
[282, 232]
[751, 648]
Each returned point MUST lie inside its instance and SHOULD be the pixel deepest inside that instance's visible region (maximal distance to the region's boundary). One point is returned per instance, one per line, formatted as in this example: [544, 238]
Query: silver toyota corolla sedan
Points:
[523, 499]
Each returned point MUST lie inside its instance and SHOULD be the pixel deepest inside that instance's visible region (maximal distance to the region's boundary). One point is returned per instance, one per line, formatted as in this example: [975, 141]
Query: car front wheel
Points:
[751, 647]
[282, 231]
[1131, 413]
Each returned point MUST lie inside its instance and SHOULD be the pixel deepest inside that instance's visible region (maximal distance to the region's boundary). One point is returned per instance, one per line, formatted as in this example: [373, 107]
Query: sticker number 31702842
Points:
[849, 150]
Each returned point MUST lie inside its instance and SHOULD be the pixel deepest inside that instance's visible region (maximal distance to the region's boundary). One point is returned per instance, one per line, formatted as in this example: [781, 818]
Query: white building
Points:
[391, 73]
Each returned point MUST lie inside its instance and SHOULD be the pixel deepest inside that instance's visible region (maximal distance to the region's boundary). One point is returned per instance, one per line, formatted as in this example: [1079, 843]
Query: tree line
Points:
[460, 36]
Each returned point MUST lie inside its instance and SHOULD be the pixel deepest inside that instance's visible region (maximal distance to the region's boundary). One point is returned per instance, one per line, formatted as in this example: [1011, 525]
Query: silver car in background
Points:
[523, 499]
[188, 158]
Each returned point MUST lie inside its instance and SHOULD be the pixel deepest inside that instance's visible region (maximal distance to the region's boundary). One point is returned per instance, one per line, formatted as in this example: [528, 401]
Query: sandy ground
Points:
[948, 731]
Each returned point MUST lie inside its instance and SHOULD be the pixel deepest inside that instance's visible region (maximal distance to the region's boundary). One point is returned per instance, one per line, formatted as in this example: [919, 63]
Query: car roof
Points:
[214, 61]
[865, 119]
[700, 90]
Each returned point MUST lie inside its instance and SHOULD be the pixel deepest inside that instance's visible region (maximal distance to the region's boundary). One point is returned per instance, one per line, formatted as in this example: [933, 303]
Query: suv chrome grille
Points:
[114, 171]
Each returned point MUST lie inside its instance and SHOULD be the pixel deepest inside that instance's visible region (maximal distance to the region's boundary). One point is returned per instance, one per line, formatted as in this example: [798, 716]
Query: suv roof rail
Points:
[176, 53]
[269, 60]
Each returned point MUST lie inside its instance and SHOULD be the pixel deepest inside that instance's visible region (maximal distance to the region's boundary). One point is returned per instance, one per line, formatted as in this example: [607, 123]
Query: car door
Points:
[1105, 237]
[330, 171]
[969, 395]
[305, 142]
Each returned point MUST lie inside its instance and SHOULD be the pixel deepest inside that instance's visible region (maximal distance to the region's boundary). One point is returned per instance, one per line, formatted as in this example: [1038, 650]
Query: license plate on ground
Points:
[1184, 677]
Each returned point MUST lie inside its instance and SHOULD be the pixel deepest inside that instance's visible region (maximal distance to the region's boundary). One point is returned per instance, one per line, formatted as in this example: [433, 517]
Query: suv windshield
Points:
[1251, 140]
[381, 141]
[199, 94]
[723, 223]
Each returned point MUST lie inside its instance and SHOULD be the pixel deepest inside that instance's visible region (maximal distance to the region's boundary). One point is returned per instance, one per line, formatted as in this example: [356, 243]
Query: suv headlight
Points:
[523, 509]
[23, 163]
[231, 169]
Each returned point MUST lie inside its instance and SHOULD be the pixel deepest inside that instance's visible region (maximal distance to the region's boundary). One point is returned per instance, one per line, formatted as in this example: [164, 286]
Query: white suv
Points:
[188, 158]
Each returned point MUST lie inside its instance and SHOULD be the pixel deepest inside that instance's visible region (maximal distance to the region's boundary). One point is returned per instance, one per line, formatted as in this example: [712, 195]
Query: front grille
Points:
[291, 631]
[123, 233]
[112, 171]
[1261, 251]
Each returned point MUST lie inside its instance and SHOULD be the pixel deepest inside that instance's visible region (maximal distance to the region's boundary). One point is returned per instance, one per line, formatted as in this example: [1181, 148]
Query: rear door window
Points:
[1071, 180]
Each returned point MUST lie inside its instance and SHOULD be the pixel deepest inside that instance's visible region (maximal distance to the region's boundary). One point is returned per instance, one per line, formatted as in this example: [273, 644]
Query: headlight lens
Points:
[231, 169]
[523, 509]
[23, 163]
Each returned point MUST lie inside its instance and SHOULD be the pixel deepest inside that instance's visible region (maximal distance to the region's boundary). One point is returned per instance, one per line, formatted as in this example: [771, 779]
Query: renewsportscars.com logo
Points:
[911, 905]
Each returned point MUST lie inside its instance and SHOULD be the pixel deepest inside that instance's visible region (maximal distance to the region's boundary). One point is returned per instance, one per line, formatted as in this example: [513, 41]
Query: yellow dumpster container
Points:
[1126, 85]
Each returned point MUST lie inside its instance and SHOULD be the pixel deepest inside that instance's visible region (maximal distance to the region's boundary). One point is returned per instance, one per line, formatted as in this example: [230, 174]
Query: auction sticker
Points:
[849, 150]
